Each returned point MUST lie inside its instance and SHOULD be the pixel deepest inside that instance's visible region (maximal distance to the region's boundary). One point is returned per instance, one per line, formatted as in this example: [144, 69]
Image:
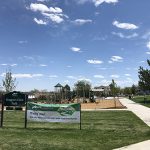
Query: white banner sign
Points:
[53, 112]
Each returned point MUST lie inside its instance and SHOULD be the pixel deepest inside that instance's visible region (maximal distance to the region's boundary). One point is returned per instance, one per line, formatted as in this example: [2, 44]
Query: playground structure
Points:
[96, 99]
[103, 103]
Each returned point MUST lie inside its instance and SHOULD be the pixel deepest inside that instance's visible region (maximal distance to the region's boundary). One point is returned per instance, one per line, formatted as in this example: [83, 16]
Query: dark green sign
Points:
[14, 99]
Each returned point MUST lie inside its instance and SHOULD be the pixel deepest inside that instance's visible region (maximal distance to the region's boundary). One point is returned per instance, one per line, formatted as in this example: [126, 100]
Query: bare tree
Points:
[9, 83]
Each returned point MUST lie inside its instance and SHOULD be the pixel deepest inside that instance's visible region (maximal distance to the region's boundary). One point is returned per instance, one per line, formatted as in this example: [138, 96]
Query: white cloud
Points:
[75, 49]
[148, 53]
[105, 82]
[55, 10]
[98, 76]
[78, 78]
[42, 0]
[69, 66]
[54, 17]
[148, 45]
[43, 65]
[99, 2]
[114, 76]
[22, 75]
[146, 35]
[43, 8]
[53, 76]
[142, 61]
[128, 68]
[40, 21]
[85, 79]
[54, 14]
[82, 21]
[100, 38]
[103, 68]
[82, 1]
[19, 75]
[110, 62]
[12, 65]
[27, 57]
[38, 7]
[116, 59]
[136, 69]
[122, 83]
[2, 75]
[129, 79]
[127, 26]
[37, 75]
[94, 61]
[121, 35]
[72, 77]
[128, 75]
[96, 2]
[126, 82]
[131, 36]
[66, 81]
[4, 64]
[23, 42]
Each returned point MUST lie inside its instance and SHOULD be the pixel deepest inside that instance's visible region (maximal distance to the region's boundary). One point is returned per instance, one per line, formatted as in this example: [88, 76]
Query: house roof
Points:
[58, 85]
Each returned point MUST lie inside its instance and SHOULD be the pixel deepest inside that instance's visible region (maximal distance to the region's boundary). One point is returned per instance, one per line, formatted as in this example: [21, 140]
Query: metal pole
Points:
[26, 101]
[2, 111]
[80, 116]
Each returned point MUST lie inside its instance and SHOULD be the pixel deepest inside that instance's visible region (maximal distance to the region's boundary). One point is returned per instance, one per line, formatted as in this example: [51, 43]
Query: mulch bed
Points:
[103, 104]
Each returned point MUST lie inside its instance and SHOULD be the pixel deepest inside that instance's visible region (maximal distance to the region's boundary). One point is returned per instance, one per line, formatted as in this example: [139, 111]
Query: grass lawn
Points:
[140, 99]
[101, 130]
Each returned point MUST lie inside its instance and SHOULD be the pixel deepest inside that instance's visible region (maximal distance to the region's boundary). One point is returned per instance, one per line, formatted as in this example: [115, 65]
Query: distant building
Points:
[103, 89]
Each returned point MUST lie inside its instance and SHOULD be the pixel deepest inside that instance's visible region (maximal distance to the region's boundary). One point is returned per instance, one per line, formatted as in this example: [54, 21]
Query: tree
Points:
[144, 78]
[113, 88]
[127, 90]
[134, 89]
[9, 83]
[34, 91]
[67, 87]
[82, 88]
[66, 90]
[118, 90]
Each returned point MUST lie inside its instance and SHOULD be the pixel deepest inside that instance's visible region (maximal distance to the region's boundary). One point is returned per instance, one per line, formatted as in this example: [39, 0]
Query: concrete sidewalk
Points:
[141, 111]
[144, 114]
[139, 146]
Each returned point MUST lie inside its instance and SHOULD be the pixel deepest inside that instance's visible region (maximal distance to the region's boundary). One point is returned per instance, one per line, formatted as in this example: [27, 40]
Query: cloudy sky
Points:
[45, 42]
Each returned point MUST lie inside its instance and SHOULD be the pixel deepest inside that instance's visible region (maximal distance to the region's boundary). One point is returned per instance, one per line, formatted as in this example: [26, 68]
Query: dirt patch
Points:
[103, 104]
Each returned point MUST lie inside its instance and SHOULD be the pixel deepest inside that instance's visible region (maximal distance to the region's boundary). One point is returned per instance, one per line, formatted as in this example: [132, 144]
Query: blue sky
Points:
[45, 42]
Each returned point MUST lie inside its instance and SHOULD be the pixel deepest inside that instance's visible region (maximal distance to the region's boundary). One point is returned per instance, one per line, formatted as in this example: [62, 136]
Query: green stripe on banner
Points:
[52, 107]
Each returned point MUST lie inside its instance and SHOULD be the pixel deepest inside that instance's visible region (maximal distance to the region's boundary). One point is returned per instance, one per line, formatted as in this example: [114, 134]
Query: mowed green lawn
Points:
[101, 130]
[140, 100]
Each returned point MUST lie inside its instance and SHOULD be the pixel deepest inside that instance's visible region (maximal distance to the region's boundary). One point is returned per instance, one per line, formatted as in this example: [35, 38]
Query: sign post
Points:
[26, 101]
[2, 111]
[14, 99]
[80, 116]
